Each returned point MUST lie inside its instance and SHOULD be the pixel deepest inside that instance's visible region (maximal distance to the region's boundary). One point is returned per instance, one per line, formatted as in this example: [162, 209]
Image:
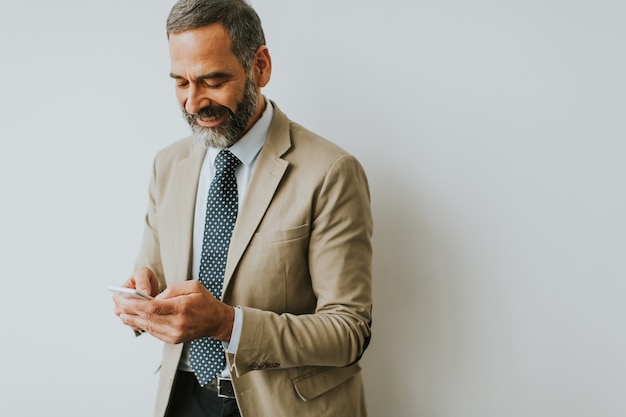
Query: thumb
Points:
[145, 281]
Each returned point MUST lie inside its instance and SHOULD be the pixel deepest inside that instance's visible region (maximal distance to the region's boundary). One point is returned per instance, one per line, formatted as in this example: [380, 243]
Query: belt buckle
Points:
[225, 388]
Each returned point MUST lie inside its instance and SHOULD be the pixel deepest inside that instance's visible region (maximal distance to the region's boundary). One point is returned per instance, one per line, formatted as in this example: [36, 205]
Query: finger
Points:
[135, 306]
[161, 329]
[135, 322]
[123, 304]
[184, 288]
[144, 280]
[117, 305]
[156, 327]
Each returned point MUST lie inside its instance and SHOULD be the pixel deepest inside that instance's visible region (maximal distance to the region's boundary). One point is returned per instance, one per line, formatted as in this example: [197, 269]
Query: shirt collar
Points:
[250, 144]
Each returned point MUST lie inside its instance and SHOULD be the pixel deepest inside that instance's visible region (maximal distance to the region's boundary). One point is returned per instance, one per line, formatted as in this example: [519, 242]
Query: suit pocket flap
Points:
[323, 380]
[278, 236]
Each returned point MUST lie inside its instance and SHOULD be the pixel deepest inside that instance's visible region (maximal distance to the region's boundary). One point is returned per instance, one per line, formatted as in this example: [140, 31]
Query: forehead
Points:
[206, 46]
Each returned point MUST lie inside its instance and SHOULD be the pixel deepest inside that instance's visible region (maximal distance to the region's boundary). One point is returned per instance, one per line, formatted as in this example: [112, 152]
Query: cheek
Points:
[227, 98]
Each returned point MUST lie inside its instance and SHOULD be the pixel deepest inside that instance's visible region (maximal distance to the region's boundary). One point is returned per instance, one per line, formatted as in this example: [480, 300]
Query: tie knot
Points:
[225, 161]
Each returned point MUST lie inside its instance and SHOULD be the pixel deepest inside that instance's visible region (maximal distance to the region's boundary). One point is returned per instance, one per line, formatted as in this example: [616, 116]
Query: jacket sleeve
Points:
[339, 255]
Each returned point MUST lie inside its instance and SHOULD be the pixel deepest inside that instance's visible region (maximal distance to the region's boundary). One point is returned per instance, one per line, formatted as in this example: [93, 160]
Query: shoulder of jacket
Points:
[309, 147]
[179, 149]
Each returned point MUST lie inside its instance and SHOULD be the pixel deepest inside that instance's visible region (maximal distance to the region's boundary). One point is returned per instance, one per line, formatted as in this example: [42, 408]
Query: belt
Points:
[223, 387]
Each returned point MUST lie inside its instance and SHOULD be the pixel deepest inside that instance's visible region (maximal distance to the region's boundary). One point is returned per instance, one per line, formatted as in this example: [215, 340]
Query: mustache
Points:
[216, 111]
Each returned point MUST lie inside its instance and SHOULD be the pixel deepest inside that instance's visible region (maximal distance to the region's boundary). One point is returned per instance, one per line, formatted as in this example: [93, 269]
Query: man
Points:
[268, 314]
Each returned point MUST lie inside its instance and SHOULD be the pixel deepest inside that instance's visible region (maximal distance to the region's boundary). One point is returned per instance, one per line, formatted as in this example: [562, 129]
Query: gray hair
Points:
[238, 18]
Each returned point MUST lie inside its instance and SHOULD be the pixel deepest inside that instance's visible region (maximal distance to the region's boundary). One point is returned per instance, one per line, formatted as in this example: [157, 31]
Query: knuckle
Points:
[149, 327]
[178, 336]
[153, 309]
[183, 309]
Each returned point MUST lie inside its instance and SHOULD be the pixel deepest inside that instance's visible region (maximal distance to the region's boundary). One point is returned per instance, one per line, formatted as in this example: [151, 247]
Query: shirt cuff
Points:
[233, 345]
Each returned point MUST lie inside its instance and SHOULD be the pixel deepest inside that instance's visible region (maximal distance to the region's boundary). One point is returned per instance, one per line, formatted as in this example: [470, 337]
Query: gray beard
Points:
[211, 138]
[234, 127]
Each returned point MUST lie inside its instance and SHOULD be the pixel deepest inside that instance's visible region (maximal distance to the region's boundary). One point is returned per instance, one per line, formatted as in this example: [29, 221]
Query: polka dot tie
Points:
[206, 355]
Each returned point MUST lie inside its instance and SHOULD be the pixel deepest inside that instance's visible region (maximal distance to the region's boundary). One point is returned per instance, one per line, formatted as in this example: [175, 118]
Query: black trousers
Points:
[189, 399]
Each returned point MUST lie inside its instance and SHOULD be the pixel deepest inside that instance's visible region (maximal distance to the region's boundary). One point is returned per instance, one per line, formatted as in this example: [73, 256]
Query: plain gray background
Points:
[493, 137]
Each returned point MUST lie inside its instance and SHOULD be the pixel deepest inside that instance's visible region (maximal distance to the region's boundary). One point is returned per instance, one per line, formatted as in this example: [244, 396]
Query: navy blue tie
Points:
[206, 355]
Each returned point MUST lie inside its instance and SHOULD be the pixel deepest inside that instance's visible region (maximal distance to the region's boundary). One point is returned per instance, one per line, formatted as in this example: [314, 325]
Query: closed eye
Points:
[212, 85]
[180, 81]
[211, 80]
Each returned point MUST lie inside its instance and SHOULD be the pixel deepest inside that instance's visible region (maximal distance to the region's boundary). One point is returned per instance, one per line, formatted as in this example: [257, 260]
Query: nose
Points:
[195, 99]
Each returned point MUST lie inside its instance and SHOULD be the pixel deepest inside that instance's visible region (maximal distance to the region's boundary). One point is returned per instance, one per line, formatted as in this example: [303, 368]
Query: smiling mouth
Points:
[210, 121]
[211, 116]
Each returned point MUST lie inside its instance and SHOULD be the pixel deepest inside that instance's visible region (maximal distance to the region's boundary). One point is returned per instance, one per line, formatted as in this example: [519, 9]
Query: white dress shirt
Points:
[247, 150]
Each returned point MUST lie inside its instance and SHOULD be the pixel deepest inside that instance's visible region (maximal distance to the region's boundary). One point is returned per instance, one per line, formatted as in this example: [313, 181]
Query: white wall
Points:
[493, 136]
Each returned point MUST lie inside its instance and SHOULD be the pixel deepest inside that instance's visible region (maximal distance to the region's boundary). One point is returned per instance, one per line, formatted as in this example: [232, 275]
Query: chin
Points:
[209, 138]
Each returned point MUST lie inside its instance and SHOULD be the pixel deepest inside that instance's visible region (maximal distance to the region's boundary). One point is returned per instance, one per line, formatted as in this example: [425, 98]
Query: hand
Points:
[143, 280]
[181, 313]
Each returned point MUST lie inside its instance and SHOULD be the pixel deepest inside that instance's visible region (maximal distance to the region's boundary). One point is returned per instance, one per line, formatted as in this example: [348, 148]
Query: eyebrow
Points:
[209, 76]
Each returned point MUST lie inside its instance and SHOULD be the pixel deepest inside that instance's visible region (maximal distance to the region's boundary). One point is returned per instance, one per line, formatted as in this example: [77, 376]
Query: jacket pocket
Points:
[264, 238]
[322, 380]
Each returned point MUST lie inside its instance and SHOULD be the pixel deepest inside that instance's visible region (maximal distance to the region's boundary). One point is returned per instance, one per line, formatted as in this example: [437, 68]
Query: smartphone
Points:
[130, 292]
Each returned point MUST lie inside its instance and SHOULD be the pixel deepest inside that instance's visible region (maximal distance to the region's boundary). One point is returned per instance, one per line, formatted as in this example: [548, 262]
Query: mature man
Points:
[257, 241]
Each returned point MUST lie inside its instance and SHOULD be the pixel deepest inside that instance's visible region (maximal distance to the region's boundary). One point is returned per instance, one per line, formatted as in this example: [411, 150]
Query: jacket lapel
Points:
[268, 173]
[185, 183]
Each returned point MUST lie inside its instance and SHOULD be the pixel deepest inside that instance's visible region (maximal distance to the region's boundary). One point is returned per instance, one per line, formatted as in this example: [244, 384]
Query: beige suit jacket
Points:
[299, 266]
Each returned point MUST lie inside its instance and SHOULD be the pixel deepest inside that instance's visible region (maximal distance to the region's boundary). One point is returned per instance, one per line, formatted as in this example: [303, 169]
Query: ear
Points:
[262, 66]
